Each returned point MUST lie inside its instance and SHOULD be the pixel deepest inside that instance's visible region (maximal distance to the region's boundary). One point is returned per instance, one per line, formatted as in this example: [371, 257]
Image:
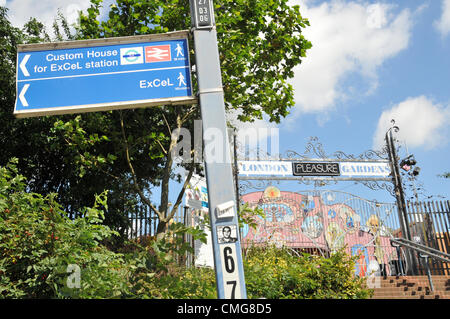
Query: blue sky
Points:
[371, 61]
[390, 59]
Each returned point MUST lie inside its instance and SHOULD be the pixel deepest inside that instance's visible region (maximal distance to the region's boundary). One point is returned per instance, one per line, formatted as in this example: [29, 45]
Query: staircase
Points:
[412, 287]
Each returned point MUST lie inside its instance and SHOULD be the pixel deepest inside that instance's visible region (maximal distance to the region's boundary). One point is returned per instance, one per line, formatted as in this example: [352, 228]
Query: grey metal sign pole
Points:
[219, 174]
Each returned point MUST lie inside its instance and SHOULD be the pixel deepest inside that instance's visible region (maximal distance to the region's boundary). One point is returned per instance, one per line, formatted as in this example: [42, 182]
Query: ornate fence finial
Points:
[395, 127]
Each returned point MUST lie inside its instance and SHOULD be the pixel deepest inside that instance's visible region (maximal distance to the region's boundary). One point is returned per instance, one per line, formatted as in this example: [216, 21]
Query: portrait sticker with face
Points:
[227, 234]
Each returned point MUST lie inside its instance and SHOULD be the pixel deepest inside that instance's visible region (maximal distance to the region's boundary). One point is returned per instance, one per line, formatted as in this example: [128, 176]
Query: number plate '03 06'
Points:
[230, 271]
[203, 13]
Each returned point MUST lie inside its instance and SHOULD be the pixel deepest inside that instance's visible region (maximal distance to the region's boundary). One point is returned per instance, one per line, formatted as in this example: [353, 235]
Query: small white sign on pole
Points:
[196, 198]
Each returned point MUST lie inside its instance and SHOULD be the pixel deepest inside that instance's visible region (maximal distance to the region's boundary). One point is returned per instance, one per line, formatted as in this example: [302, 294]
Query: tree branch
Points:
[180, 122]
[181, 193]
[133, 173]
[188, 113]
[167, 124]
[168, 169]
[162, 147]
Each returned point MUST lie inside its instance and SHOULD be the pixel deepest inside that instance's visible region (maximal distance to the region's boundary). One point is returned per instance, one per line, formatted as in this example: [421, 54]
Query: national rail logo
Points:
[158, 53]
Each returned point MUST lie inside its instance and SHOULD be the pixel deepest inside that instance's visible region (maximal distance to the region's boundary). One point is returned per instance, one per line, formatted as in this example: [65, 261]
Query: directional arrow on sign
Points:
[22, 65]
[22, 95]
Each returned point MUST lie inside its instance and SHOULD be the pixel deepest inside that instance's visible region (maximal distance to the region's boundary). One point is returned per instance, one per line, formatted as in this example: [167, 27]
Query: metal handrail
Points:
[424, 252]
[433, 253]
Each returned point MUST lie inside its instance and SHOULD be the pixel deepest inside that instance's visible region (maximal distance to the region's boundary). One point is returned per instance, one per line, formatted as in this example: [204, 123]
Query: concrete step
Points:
[412, 287]
[434, 297]
[381, 292]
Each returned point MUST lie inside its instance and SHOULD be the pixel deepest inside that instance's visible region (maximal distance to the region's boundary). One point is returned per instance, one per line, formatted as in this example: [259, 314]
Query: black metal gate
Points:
[321, 222]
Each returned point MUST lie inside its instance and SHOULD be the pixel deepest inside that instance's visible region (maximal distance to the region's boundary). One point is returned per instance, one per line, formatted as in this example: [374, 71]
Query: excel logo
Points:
[132, 55]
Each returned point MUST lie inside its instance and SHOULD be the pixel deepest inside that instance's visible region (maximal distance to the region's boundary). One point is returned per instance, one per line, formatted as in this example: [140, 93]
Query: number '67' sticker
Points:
[230, 272]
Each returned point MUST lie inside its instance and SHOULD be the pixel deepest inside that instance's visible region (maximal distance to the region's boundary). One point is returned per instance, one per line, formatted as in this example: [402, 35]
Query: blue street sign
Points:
[84, 76]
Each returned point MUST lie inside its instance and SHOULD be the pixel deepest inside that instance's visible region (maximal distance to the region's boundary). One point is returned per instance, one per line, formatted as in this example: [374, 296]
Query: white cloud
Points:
[20, 11]
[348, 38]
[443, 24]
[258, 138]
[2, 3]
[422, 123]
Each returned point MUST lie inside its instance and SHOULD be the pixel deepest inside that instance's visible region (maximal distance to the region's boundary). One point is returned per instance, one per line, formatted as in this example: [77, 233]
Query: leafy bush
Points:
[280, 273]
[177, 283]
[44, 254]
[271, 273]
[162, 276]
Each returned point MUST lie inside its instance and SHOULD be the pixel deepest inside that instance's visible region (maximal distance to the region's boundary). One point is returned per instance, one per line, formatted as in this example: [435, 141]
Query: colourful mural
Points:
[323, 222]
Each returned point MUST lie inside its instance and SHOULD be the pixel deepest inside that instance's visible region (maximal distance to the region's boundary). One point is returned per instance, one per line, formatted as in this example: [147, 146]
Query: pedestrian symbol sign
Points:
[179, 50]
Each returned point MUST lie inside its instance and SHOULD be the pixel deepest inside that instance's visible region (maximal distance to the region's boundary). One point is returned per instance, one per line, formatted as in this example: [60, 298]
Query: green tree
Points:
[131, 152]
[44, 157]
[22, 139]
[260, 44]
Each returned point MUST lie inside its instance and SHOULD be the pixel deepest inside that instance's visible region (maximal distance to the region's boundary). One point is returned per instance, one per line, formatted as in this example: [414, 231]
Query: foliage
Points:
[9, 38]
[76, 135]
[44, 159]
[248, 216]
[280, 273]
[192, 283]
[260, 44]
[271, 273]
[41, 249]
[129, 152]
[39, 243]
[173, 244]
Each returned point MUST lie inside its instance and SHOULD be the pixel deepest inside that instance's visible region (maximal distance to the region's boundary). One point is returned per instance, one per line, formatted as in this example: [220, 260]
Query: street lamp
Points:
[407, 164]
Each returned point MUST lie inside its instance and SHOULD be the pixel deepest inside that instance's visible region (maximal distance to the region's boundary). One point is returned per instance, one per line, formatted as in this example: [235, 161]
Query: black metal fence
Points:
[143, 222]
[429, 224]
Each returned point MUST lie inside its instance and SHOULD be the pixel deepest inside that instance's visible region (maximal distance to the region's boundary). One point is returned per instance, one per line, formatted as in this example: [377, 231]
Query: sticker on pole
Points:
[227, 234]
[225, 210]
[231, 283]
